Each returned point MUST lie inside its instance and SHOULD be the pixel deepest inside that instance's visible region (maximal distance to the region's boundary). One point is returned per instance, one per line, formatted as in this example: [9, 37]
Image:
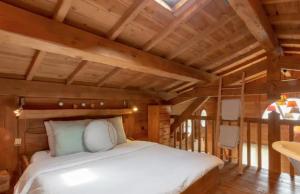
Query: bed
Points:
[134, 167]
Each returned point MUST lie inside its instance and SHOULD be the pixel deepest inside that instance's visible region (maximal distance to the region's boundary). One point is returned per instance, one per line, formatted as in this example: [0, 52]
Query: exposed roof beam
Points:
[290, 43]
[255, 18]
[76, 72]
[239, 60]
[136, 7]
[62, 10]
[174, 24]
[134, 80]
[35, 64]
[212, 91]
[59, 15]
[289, 62]
[188, 44]
[233, 56]
[196, 105]
[249, 71]
[278, 1]
[60, 90]
[113, 72]
[239, 35]
[293, 19]
[245, 64]
[288, 33]
[72, 42]
[234, 78]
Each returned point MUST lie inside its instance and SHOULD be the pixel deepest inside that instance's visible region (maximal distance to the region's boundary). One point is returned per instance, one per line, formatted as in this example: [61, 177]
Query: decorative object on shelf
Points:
[282, 100]
[292, 104]
[125, 103]
[4, 181]
[271, 108]
[101, 103]
[92, 105]
[83, 104]
[75, 106]
[19, 110]
[61, 103]
[135, 109]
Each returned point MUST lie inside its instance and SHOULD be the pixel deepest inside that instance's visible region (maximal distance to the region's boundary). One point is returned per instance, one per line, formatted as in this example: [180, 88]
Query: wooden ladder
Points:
[218, 120]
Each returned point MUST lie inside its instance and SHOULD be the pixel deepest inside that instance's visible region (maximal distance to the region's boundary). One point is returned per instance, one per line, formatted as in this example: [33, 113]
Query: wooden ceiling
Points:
[141, 45]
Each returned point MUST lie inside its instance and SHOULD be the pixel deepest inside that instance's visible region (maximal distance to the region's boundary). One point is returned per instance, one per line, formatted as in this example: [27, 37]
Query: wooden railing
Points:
[259, 134]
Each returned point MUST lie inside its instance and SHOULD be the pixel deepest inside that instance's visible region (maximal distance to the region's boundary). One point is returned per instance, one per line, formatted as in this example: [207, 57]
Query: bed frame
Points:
[33, 133]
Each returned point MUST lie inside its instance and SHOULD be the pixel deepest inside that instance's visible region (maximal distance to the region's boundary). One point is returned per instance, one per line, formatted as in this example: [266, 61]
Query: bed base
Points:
[206, 184]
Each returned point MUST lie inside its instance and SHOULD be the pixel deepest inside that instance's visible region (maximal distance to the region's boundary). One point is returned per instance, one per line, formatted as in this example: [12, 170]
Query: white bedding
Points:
[131, 168]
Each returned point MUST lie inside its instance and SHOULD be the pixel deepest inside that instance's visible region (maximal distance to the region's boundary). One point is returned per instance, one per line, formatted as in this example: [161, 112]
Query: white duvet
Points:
[132, 168]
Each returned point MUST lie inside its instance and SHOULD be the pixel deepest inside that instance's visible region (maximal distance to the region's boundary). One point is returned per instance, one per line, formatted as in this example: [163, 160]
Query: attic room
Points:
[150, 96]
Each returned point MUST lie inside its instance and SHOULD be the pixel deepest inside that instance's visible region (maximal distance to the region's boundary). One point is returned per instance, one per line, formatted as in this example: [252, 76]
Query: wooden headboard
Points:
[33, 132]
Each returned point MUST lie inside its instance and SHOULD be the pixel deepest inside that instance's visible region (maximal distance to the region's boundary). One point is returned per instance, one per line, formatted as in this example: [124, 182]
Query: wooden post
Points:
[240, 150]
[273, 136]
[291, 138]
[218, 121]
[259, 145]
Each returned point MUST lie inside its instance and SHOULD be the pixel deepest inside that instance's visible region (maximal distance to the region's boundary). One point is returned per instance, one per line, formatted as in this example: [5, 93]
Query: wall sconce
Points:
[60, 103]
[19, 110]
[101, 103]
[125, 103]
[83, 104]
[135, 109]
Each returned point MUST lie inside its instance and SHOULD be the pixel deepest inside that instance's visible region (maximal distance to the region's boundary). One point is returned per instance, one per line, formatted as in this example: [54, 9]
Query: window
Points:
[203, 114]
[288, 109]
[172, 5]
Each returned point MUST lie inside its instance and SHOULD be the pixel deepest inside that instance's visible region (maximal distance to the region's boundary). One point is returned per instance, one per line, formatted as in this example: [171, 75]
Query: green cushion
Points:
[68, 136]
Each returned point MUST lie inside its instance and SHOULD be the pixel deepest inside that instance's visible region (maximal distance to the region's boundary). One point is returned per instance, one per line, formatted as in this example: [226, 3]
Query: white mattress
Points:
[132, 168]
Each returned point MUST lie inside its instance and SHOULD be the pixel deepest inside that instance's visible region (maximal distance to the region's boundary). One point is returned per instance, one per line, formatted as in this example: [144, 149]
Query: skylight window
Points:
[172, 5]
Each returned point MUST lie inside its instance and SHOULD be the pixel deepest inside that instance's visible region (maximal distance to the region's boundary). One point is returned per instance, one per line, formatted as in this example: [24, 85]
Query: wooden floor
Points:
[256, 182]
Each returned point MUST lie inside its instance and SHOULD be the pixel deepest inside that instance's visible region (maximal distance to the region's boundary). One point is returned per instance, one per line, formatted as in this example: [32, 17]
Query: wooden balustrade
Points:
[260, 132]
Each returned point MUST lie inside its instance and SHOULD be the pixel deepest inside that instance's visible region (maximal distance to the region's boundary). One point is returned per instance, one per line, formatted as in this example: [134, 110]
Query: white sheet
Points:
[131, 168]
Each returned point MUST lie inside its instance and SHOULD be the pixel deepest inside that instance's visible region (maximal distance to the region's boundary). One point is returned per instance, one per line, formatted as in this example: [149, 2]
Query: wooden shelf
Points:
[63, 113]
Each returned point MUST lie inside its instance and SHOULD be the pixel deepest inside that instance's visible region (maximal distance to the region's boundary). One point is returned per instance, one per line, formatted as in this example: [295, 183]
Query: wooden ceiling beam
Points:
[289, 62]
[237, 61]
[269, 2]
[62, 9]
[76, 72]
[103, 80]
[188, 44]
[249, 71]
[35, 64]
[251, 88]
[293, 19]
[245, 64]
[136, 7]
[233, 56]
[290, 43]
[182, 17]
[39, 89]
[73, 42]
[196, 105]
[288, 34]
[239, 35]
[255, 18]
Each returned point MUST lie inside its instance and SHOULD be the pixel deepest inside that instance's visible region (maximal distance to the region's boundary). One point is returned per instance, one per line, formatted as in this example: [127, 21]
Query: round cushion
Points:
[100, 135]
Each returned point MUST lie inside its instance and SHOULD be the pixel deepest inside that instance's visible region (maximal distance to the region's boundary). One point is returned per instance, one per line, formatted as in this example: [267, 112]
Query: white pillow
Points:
[50, 136]
[117, 122]
[100, 135]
